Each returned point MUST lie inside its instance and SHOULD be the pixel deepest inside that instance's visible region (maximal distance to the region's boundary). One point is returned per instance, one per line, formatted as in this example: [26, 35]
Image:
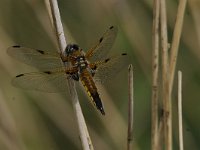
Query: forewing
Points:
[101, 49]
[47, 81]
[38, 58]
[111, 67]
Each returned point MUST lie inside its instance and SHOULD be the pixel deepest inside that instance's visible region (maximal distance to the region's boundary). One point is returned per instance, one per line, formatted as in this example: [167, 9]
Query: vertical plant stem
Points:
[57, 25]
[155, 68]
[165, 77]
[130, 108]
[180, 125]
[176, 40]
[160, 133]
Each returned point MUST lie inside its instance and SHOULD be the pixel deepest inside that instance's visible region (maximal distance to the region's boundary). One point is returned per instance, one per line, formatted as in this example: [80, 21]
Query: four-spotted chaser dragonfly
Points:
[86, 67]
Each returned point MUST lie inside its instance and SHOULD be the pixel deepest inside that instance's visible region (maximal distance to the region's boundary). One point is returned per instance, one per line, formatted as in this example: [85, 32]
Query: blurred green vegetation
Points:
[41, 121]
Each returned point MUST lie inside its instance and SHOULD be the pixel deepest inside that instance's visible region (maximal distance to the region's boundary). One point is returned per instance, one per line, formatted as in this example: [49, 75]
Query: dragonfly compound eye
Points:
[75, 47]
[71, 48]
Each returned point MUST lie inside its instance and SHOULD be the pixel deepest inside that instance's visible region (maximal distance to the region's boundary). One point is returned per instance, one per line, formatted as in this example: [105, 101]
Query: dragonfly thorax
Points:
[81, 63]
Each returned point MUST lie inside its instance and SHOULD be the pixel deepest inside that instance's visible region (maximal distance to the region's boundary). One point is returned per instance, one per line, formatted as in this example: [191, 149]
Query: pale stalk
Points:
[165, 79]
[155, 68]
[176, 40]
[57, 26]
[180, 122]
[130, 108]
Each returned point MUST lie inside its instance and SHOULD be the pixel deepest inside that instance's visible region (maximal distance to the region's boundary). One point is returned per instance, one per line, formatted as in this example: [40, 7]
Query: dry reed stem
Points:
[130, 108]
[160, 134]
[165, 79]
[155, 68]
[57, 25]
[180, 125]
[176, 40]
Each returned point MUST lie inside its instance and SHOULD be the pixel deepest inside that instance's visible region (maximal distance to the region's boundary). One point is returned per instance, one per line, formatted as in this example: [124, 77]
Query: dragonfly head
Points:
[71, 48]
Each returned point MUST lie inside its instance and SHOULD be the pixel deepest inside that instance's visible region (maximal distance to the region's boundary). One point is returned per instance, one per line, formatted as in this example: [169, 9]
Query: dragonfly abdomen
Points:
[91, 89]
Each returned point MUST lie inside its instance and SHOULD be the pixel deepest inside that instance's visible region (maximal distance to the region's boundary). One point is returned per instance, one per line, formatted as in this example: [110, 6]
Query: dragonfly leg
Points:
[92, 71]
[75, 76]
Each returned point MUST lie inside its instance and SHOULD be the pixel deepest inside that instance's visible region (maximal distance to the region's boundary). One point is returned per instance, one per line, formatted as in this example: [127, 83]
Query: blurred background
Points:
[31, 120]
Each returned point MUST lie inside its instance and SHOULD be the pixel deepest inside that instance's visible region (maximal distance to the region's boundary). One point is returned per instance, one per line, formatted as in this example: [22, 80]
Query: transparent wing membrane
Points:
[38, 58]
[110, 67]
[47, 81]
[55, 78]
[101, 49]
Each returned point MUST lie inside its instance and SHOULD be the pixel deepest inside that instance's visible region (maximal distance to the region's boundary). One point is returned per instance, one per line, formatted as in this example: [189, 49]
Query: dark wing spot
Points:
[20, 75]
[101, 39]
[16, 46]
[124, 54]
[106, 60]
[111, 27]
[40, 51]
[48, 72]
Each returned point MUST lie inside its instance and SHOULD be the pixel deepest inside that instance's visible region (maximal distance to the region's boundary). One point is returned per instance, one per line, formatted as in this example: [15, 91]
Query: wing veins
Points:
[103, 45]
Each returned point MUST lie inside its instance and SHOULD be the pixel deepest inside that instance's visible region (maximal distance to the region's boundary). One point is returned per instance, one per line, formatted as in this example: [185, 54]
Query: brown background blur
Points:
[41, 121]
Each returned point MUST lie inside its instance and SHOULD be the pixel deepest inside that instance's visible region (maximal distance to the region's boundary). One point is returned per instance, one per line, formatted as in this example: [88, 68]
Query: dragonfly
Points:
[88, 67]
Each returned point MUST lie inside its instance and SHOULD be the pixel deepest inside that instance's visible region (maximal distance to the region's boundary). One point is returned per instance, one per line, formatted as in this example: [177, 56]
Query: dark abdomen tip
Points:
[98, 102]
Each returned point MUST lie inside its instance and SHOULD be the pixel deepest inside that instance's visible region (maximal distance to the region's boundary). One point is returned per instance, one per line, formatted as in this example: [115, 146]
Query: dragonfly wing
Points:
[110, 67]
[38, 58]
[47, 81]
[104, 45]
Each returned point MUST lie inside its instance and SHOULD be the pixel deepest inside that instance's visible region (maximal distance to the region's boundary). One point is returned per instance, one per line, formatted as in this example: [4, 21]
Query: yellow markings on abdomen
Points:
[87, 90]
[88, 87]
